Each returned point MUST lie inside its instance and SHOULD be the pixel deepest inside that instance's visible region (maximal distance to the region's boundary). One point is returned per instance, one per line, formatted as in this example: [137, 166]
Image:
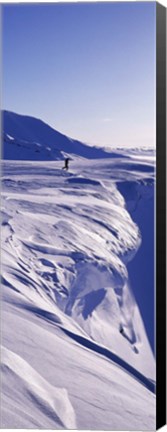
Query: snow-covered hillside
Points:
[28, 138]
[75, 349]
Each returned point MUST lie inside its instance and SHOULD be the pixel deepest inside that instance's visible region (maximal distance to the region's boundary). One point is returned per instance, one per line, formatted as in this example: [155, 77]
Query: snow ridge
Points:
[50, 400]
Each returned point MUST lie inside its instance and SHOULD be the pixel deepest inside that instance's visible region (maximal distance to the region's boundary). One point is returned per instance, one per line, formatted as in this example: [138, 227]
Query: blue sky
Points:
[87, 69]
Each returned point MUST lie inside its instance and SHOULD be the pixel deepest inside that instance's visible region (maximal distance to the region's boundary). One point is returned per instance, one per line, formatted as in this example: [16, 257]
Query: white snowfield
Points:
[76, 354]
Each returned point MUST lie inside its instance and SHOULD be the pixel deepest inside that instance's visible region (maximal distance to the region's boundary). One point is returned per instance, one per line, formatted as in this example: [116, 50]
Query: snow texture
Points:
[76, 353]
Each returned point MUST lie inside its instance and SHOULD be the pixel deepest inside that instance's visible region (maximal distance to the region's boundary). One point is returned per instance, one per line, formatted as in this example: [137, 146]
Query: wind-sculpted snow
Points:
[76, 351]
[40, 397]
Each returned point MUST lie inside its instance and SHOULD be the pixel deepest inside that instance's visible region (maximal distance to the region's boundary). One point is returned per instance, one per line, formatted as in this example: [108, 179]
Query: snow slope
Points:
[28, 138]
[76, 353]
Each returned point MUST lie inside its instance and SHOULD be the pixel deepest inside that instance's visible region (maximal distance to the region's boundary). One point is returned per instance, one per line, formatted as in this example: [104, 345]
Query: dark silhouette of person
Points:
[66, 164]
[121, 330]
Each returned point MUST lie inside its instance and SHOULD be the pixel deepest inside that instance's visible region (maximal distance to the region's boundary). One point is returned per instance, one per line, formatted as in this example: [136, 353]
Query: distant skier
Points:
[66, 164]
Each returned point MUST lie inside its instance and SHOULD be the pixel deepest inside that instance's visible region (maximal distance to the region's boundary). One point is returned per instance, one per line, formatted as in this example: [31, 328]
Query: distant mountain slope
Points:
[28, 138]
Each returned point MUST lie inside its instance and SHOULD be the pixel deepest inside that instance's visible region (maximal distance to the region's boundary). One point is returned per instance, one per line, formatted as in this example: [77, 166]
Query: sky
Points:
[86, 69]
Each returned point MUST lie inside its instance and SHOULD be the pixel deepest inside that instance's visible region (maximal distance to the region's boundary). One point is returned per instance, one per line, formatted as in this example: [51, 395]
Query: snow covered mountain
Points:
[28, 138]
[76, 353]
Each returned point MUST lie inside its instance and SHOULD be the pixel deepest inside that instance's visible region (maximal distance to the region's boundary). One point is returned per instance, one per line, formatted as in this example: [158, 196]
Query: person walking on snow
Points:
[66, 164]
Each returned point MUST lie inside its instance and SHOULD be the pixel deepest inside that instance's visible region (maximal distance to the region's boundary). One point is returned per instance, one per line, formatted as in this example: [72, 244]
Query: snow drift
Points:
[76, 353]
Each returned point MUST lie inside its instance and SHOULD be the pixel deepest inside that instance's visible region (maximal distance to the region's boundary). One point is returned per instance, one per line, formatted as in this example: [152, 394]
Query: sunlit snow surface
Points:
[76, 353]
